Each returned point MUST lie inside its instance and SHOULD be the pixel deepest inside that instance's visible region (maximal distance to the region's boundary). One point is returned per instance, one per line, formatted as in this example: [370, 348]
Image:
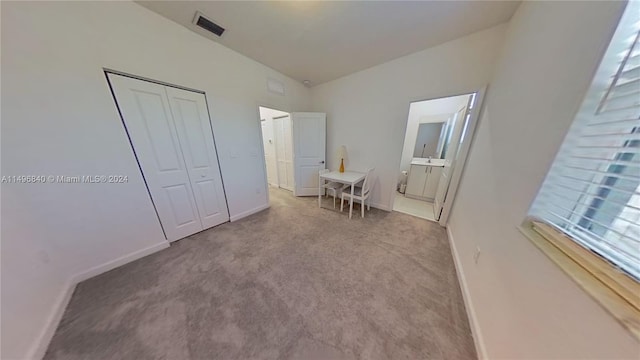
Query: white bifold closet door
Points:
[171, 135]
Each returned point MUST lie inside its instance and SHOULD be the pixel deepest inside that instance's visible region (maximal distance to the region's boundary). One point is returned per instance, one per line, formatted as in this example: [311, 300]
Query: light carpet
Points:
[292, 282]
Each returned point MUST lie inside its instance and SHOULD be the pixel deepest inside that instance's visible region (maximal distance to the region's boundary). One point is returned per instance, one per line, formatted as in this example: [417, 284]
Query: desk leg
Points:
[320, 192]
[351, 201]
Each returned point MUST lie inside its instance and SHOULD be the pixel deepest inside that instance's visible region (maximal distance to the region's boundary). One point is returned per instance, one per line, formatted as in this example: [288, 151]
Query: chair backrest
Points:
[368, 179]
[322, 171]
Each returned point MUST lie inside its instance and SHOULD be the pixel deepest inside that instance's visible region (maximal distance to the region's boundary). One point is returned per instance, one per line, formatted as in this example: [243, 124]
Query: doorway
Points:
[434, 151]
[294, 149]
[277, 140]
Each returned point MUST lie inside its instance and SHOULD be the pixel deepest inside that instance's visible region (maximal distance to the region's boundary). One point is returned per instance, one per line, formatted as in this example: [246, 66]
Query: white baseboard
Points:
[468, 304]
[381, 206]
[109, 265]
[244, 214]
[42, 343]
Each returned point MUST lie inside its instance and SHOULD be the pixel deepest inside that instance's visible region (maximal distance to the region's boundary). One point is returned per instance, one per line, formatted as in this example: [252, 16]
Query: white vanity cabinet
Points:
[431, 186]
[416, 181]
[423, 181]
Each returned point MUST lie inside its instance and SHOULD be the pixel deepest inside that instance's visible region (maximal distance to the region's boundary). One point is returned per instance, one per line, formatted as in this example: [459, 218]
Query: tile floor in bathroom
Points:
[418, 208]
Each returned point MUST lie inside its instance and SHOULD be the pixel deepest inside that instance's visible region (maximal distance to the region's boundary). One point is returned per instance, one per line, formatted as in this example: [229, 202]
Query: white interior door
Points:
[195, 135]
[284, 151]
[309, 139]
[145, 110]
[471, 122]
[449, 160]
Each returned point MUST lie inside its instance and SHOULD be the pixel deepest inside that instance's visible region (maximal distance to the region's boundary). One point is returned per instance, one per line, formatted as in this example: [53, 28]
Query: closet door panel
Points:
[181, 209]
[191, 117]
[148, 120]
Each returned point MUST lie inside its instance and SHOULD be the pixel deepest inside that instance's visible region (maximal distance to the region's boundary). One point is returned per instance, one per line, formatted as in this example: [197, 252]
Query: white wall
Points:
[59, 118]
[524, 305]
[367, 111]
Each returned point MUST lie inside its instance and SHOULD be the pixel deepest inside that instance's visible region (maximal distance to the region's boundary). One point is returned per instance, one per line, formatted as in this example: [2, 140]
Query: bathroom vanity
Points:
[424, 175]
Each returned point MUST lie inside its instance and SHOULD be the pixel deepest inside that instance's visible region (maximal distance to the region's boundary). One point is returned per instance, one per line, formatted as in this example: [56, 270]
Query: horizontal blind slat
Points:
[625, 87]
[631, 206]
[609, 147]
[623, 110]
[604, 173]
[618, 189]
[621, 135]
[623, 101]
[633, 61]
[551, 200]
[602, 122]
[631, 72]
[595, 160]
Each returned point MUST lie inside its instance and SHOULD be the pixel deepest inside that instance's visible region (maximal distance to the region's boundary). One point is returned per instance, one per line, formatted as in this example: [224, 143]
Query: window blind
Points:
[592, 190]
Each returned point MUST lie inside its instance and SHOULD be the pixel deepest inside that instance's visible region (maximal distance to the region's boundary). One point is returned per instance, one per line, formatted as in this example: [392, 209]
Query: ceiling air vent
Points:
[207, 24]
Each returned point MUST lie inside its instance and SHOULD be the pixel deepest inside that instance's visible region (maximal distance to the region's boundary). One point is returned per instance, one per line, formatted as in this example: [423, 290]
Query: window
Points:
[591, 195]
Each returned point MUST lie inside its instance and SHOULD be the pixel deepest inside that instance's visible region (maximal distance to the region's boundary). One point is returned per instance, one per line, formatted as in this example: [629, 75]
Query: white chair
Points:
[360, 193]
[330, 186]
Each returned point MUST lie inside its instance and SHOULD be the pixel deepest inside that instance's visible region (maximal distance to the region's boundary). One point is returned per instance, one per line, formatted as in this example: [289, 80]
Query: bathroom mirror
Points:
[431, 140]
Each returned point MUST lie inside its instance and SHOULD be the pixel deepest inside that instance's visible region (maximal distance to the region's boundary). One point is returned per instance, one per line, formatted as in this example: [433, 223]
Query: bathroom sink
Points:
[427, 162]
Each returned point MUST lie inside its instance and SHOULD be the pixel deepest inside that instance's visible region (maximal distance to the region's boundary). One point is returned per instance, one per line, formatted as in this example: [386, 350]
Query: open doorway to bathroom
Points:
[278, 147]
[432, 149]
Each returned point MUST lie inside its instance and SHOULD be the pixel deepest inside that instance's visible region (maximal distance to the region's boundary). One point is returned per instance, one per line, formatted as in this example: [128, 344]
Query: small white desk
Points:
[350, 178]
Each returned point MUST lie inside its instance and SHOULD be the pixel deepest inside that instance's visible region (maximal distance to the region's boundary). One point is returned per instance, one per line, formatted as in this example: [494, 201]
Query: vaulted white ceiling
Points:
[321, 41]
